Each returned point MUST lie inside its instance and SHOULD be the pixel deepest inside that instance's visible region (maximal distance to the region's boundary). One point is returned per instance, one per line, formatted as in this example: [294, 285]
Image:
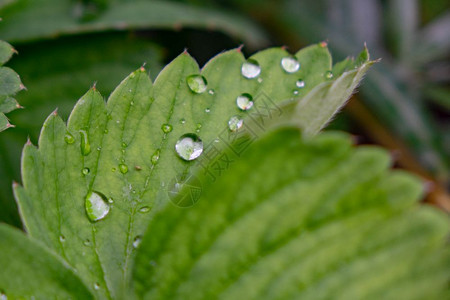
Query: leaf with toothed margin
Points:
[297, 218]
[10, 84]
[121, 155]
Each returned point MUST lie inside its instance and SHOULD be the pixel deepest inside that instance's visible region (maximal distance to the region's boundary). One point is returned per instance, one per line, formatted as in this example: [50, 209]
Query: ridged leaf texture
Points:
[123, 152]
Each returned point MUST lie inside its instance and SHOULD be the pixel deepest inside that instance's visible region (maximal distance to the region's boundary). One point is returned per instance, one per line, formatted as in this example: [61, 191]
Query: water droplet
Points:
[62, 238]
[144, 209]
[85, 146]
[110, 200]
[207, 110]
[328, 74]
[85, 171]
[235, 123]
[99, 148]
[290, 64]
[197, 83]
[69, 138]
[182, 121]
[106, 131]
[96, 286]
[199, 125]
[244, 101]
[97, 206]
[211, 92]
[87, 243]
[155, 156]
[123, 168]
[260, 80]
[300, 84]
[189, 146]
[3, 296]
[124, 145]
[250, 69]
[132, 103]
[137, 241]
[295, 92]
[138, 168]
[166, 128]
[113, 169]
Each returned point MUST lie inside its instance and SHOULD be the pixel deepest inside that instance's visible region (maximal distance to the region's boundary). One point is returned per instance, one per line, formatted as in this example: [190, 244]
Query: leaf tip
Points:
[22, 87]
[239, 49]
[55, 112]
[28, 142]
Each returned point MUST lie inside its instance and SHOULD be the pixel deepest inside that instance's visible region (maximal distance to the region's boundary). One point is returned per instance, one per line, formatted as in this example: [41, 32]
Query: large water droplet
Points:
[197, 83]
[290, 64]
[189, 146]
[137, 241]
[144, 209]
[155, 156]
[123, 168]
[244, 101]
[69, 138]
[300, 84]
[250, 69]
[85, 146]
[97, 206]
[328, 74]
[235, 123]
[166, 128]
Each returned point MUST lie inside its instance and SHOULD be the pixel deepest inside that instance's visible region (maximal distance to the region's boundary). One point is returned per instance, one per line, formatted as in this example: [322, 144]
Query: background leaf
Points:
[298, 219]
[125, 151]
[31, 271]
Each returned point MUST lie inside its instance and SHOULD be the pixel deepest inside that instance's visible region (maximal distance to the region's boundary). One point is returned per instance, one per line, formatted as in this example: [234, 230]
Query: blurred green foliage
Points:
[67, 45]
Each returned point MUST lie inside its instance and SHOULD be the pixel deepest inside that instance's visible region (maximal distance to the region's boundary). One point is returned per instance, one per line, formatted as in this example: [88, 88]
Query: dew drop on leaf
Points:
[189, 146]
[207, 110]
[97, 206]
[328, 74]
[123, 168]
[235, 123]
[295, 92]
[300, 84]
[290, 64]
[244, 101]
[166, 128]
[137, 240]
[62, 238]
[68, 138]
[250, 69]
[85, 146]
[87, 242]
[155, 156]
[211, 92]
[144, 209]
[85, 171]
[96, 286]
[197, 83]
[182, 121]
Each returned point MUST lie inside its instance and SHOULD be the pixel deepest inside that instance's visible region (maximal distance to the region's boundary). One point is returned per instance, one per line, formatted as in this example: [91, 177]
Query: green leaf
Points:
[120, 157]
[31, 271]
[298, 219]
[10, 84]
[66, 18]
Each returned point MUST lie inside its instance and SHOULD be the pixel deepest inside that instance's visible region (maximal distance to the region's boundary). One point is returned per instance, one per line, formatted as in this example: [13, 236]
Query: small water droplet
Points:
[235, 123]
[182, 121]
[250, 69]
[96, 285]
[260, 80]
[244, 101]
[328, 74]
[290, 64]
[189, 146]
[211, 92]
[106, 131]
[197, 83]
[295, 92]
[144, 209]
[124, 145]
[62, 238]
[123, 168]
[137, 241]
[99, 148]
[97, 206]
[207, 110]
[69, 138]
[132, 103]
[113, 169]
[300, 84]
[85, 171]
[155, 156]
[85, 146]
[110, 200]
[166, 128]
[87, 243]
